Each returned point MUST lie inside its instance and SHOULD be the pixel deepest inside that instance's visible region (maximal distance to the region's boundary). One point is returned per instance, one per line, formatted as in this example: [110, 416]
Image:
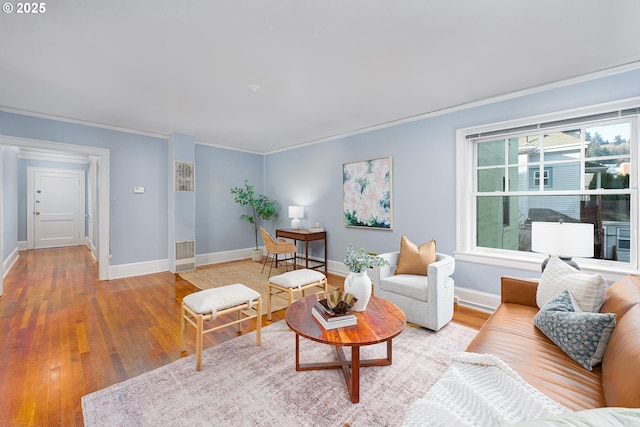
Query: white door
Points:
[57, 207]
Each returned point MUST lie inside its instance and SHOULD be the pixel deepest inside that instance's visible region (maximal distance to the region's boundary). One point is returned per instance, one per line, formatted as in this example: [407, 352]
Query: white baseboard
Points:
[10, 261]
[22, 245]
[478, 300]
[217, 257]
[150, 267]
[138, 269]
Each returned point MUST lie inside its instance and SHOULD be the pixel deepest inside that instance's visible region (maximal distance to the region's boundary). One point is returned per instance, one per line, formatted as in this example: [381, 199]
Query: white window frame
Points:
[466, 250]
[544, 177]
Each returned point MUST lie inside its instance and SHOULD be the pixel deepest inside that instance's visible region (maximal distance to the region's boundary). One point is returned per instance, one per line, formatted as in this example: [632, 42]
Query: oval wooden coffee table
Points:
[380, 322]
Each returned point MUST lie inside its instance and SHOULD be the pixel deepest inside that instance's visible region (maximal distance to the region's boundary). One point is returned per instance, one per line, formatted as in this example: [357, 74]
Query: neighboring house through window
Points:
[575, 166]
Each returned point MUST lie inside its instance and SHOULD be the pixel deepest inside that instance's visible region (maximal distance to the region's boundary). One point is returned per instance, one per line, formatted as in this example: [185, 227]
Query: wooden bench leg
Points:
[259, 322]
[268, 301]
[199, 339]
[183, 326]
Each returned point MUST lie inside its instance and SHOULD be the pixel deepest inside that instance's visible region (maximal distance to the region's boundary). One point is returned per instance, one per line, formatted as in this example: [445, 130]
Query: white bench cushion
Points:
[214, 299]
[297, 278]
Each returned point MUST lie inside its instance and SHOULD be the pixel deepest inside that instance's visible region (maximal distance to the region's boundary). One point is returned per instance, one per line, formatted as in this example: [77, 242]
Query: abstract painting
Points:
[366, 194]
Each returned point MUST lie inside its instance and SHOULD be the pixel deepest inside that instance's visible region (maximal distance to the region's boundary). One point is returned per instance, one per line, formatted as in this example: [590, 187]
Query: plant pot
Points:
[256, 255]
[359, 285]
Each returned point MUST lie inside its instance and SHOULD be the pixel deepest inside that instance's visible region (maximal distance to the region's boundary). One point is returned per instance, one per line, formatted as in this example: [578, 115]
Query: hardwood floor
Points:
[65, 334]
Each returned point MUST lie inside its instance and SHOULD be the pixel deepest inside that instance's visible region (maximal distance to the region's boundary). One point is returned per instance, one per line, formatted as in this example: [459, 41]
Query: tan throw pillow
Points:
[414, 259]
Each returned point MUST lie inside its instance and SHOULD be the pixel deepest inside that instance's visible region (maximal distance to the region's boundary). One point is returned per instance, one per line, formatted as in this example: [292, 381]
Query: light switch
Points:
[138, 190]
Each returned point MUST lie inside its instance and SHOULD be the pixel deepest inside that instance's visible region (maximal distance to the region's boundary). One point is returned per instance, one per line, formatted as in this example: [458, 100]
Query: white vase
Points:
[358, 285]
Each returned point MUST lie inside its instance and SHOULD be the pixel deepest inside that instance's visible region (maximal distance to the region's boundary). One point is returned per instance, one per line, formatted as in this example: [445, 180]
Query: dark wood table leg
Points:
[325, 254]
[350, 368]
[306, 253]
[354, 388]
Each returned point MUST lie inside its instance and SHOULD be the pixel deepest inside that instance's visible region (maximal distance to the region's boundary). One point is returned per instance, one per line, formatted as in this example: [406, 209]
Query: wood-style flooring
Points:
[64, 334]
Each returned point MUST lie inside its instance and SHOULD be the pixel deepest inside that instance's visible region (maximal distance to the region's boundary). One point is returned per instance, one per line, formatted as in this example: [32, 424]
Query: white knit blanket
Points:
[480, 390]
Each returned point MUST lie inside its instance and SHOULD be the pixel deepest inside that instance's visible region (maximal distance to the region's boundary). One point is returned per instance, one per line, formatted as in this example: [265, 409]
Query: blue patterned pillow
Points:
[582, 335]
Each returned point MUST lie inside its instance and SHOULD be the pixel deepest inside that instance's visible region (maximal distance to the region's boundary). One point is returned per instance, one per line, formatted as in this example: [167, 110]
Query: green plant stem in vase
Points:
[358, 283]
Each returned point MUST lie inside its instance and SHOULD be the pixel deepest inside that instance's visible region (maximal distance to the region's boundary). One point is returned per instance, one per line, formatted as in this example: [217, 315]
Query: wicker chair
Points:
[278, 247]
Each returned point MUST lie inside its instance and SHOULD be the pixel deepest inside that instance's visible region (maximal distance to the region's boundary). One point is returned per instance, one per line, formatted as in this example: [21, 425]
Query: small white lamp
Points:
[296, 212]
[563, 239]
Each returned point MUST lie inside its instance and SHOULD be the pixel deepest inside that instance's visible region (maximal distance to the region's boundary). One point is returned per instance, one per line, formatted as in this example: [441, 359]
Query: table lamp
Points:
[563, 239]
[296, 212]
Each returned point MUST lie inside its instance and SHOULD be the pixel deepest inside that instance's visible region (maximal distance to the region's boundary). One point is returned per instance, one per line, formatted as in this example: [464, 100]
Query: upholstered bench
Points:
[284, 285]
[201, 306]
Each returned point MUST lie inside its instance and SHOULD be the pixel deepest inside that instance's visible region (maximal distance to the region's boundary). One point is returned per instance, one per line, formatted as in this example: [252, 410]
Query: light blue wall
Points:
[9, 201]
[138, 224]
[424, 161]
[181, 203]
[218, 224]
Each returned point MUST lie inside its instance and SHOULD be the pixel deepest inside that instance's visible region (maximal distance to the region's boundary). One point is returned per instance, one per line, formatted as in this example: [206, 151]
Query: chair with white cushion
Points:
[202, 306]
[284, 285]
[426, 298]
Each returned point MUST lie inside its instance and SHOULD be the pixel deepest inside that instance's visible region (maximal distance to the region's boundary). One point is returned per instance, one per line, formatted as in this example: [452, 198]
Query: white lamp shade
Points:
[296, 211]
[562, 239]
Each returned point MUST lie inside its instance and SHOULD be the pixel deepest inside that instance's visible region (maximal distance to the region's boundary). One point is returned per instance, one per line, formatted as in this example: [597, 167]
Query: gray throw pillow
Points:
[583, 336]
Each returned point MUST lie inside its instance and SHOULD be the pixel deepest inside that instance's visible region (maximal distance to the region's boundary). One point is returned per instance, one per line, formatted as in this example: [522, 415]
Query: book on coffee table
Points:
[329, 315]
[338, 323]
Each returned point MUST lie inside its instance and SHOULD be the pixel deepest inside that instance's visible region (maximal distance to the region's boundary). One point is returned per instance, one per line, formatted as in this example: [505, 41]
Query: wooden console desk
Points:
[306, 236]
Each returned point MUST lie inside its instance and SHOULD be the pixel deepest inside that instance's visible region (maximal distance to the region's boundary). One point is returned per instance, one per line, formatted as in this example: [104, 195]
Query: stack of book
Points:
[330, 320]
[316, 229]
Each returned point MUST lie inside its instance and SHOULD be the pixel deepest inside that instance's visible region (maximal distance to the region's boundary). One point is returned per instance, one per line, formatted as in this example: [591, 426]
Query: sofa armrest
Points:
[519, 291]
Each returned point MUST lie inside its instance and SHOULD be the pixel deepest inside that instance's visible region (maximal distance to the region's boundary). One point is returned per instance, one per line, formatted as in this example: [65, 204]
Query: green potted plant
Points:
[262, 207]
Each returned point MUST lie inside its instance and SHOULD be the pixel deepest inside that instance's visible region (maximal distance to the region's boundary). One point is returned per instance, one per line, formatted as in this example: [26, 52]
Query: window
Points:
[546, 173]
[577, 170]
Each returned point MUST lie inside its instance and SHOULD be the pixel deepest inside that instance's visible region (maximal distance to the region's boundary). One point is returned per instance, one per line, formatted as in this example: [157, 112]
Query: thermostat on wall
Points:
[138, 190]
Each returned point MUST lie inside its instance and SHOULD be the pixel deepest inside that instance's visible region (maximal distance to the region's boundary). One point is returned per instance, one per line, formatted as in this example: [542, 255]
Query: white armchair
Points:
[426, 300]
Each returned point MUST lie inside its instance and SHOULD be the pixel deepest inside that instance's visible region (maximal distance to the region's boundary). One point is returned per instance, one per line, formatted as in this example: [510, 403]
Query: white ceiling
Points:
[324, 67]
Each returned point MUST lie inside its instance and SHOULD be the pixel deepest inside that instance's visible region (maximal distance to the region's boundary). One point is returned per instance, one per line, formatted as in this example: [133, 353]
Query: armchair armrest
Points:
[379, 273]
[392, 259]
[443, 266]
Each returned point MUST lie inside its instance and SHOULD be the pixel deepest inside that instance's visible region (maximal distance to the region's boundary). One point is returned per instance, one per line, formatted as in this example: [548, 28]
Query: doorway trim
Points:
[103, 187]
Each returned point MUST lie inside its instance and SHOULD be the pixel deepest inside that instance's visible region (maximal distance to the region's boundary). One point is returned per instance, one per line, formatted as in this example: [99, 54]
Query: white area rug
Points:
[242, 384]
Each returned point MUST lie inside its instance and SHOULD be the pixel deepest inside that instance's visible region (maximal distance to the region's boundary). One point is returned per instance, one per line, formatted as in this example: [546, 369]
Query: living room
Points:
[135, 231]
[309, 176]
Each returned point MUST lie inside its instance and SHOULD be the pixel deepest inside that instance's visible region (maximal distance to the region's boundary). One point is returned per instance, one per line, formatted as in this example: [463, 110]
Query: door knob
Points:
[37, 212]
